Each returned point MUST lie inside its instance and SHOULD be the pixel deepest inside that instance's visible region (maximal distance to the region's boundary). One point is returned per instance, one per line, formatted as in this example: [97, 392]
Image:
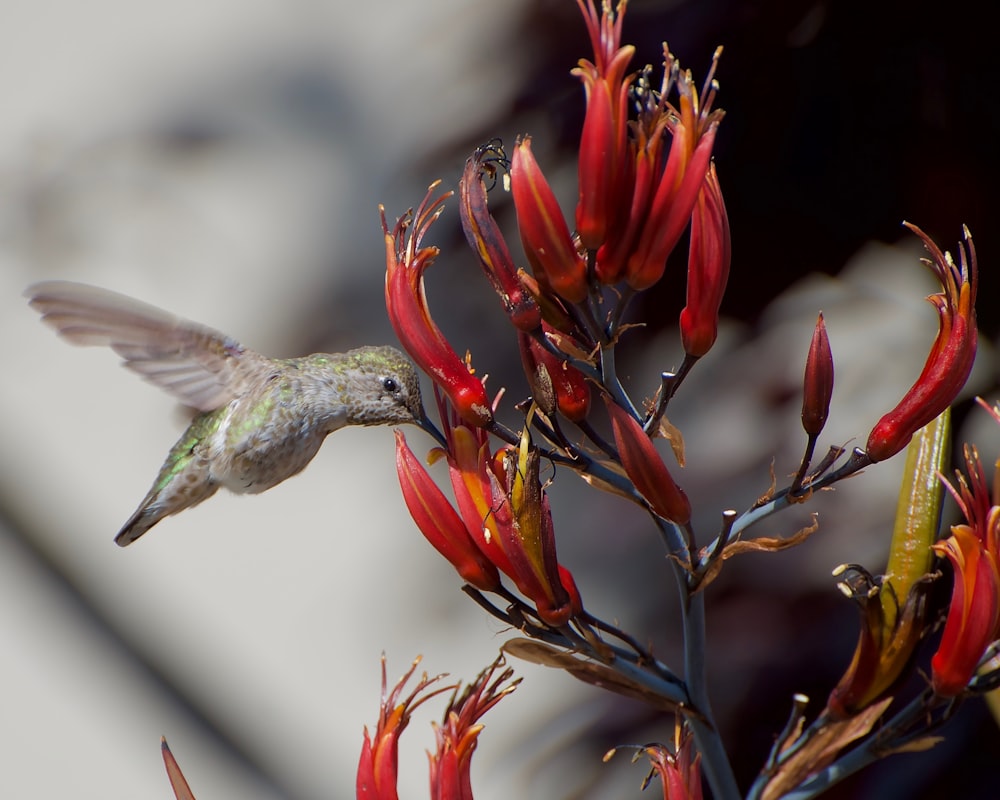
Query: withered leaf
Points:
[587, 671]
[822, 749]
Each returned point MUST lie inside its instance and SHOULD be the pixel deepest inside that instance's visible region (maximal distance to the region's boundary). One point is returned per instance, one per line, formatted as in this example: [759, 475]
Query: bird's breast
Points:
[261, 443]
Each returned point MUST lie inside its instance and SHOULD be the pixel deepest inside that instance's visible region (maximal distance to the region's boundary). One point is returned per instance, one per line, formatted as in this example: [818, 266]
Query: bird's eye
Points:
[390, 385]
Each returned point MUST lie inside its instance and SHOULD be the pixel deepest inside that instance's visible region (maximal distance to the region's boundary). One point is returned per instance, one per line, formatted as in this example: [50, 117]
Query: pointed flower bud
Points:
[378, 766]
[484, 236]
[693, 130]
[439, 522]
[817, 385]
[410, 316]
[973, 620]
[554, 383]
[708, 268]
[645, 468]
[951, 356]
[553, 311]
[604, 141]
[458, 734]
[546, 238]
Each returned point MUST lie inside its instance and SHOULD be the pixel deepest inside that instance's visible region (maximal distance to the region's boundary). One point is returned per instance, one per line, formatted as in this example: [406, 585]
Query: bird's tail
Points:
[144, 518]
[159, 504]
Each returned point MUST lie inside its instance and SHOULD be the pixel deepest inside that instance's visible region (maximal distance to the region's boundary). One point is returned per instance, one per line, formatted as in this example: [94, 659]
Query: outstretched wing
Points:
[199, 366]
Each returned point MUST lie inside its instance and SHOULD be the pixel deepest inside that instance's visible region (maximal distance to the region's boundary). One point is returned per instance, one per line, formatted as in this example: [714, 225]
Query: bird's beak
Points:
[424, 423]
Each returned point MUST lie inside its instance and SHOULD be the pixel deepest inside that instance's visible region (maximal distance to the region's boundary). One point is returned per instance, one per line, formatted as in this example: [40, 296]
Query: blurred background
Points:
[225, 161]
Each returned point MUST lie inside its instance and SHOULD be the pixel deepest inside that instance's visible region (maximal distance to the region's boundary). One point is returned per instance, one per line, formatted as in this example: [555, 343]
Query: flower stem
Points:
[714, 759]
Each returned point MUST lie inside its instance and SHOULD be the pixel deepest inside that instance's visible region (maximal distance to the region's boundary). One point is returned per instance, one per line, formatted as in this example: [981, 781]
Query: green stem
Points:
[609, 379]
[714, 759]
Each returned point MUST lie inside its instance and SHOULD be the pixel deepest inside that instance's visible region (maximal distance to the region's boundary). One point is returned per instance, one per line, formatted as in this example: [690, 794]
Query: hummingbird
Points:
[261, 420]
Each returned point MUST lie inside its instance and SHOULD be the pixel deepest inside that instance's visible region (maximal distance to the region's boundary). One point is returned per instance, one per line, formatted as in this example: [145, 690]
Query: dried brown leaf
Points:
[769, 544]
[673, 435]
[585, 670]
[763, 544]
[920, 745]
[765, 498]
[822, 749]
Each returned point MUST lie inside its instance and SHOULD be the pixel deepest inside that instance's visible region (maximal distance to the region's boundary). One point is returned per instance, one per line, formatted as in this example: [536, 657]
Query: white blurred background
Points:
[225, 161]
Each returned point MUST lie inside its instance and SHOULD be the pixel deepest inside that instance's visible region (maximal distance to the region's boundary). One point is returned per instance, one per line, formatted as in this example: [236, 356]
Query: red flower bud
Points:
[951, 356]
[554, 383]
[439, 522]
[547, 242]
[818, 381]
[708, 268]
[645, 468]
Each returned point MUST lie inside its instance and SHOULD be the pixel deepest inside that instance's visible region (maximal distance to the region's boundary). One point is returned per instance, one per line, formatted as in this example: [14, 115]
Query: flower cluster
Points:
[450, 764]
[645, 175]
[504, 523]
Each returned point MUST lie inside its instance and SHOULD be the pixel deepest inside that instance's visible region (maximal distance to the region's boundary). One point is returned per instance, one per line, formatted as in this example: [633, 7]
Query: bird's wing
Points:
[199, 366]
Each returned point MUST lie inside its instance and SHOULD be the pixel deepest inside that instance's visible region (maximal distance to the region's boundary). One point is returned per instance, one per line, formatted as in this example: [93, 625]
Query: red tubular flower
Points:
[693, 130]
[951, 356]
[526, 532]
[604, 140]
[971, 624]
[507, 516]
[818, 381]
[470, 464]
[406, 304]
[458, 734]
[679, 767]
[547, 242]
[708, 268]
[646, 469]
[554, 383]
[645, 152]
[483, 235]
[973, 620]
[379, 763]
[439, 522]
